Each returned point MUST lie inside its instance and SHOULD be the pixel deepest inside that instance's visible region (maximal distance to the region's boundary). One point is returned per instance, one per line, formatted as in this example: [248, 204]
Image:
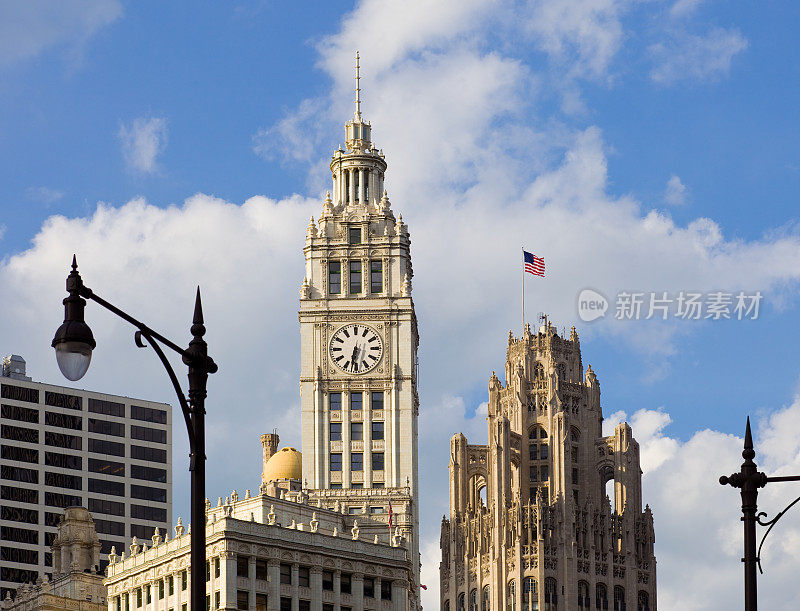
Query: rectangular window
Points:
[145, 433]
[20, 454]
[63, 480]
[171, 582]
[103, 446]
[19, 535]
[64, 461]
[327, 580]
[533, 452]
[63, 421]
[543, 472]
[8, 573]
[327, 607]
[386, 590]
[161, 589]
[575, 454]
[112, 508]
[148, 414]
[336, 462]
[152, 514]
[261, 602]
[216, 599]
[19, 514]
[52, 519]
[377, 400]
[149, 473]
[345, 583]
[286, 574]
[103, 486]
[19, 495]
[303, 605]
[334, 277]
[243, 566]
[62, 440]
[356, 487]
[377, 461]
[107, 467]
[19, 433]
[216, 560]
[355, 277]
[303, 577]
[377, 430]
[59, 499]
[356, 431]
[148, 598]
[376, 276]
[261, 569]
[286, 603]
[49, 538]
[57, 399]
[242, 599]
[146, 493]
[184, 579]
[356, 461]
[109, 527]
[19, 393]
[208, 570]
[543, 451]
[105, 427]
[151, 454]
[369, 587]
[575, 477]
[335, 401]
[356, 401]
[336, 431]
[22, 414]
[354, 233]
[107, 408]
[19, 474]
[534, 474]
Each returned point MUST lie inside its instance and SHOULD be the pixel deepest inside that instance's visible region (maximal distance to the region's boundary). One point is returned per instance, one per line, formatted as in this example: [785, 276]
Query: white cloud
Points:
[29, 28]
[693, 57]
[676, 192]
[44, 195]
[142, 142]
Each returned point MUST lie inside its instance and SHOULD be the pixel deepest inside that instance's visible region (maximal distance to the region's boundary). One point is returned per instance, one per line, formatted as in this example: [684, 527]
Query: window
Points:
[171, 582]
[643, 601]
[461, 602]
[57, 399]
[107, 467]
[377, 400]
[327, 580]
[161, 589]
[19, 393]
[8, 573]
[511, 596]
[377, 430]
[530, 595]
[286, 574]
[356, 431]
[151, 454]
[376, 276]
[544, 473]
[619, 598]
[584, 600]
[62, 440]
[19, 495]
[345, 583]
[369, 587]
[109, 527]
[261, 569]
[601, 596]
[153, 514]
[23, 414]
[139, 597]
[303, 577]
[286, 603]
[19, 514]
[334, 277]
[149, 473]
[58, 499]
[356, 461]
[356, 487]
[550, 594]
[574, 477]
[386, 590]
[107, 408]
[335, 401]
[102, 446]
[19, 433]
[145, 433]
[184, 579]
[208, 570]
[486, 600]
[336, 462]
[216, 599]
[354, 233]
[533, 451]
[336, 431]
[575, 454]
[543, 451]
[377, 461]
[473, 600]
[261, 602]
[19, 535]
[534, 473]
[104, 427]
[109, 507]
[242, 566]
[148, 414]
[102, 486]
[64, 461]
[63, 480]
[242, 599]
[356, 401]
[355, 277]
[20, 454]
[216, 560]
[19, 474]
[141, 531]
[327, 607]
[146, 493]
[148, 598]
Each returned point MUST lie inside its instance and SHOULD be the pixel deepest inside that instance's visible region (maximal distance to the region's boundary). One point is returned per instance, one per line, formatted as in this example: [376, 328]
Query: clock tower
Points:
[359, 339]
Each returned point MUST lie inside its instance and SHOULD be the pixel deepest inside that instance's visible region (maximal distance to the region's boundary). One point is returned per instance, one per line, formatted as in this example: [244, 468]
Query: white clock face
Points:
[356, 348]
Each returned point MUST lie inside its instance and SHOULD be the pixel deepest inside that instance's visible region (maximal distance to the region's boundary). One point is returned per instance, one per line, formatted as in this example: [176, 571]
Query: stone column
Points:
[352, 190]
[337, 590]
[400, 596]
[357, 585]
[295, 587]
[316, 588]
[346, 419]
[361, 187]
[366, 419]
[251, 572]
[274, 588]
[227, 579]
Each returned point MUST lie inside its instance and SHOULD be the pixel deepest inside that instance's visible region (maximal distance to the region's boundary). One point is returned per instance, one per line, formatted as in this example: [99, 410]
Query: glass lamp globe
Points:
[73, 359]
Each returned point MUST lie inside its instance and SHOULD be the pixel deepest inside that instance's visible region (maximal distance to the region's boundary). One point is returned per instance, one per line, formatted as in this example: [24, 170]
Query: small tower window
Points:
[354, 235]
[357, 461]
[511, 596]
[335, 401]
[550, 594]
[336, 462]
[486, 601]
[335, 277]
[377, 430]
[473, 600]
[644, 601]
[584, 601]
[356, 401]
[356, 431]
[619, 598]
[336, 431]
[355, 277]
[376, 276]
[530, 595]
[377, 461]
[377, 400]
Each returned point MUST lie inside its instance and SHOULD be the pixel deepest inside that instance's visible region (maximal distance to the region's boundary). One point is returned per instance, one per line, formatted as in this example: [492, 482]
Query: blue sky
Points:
[649, 146]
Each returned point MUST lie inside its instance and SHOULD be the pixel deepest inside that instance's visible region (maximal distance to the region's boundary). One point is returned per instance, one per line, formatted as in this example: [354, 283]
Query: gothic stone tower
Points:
[531, 527]
[359, 345]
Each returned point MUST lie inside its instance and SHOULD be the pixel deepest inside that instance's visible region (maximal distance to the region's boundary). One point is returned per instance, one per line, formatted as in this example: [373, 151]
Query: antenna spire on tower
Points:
[358, 88]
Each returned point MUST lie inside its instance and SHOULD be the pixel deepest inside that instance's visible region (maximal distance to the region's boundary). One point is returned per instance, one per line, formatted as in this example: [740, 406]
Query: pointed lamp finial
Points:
[74, 263]
[748, 453]
[358, 88]
[198, 309]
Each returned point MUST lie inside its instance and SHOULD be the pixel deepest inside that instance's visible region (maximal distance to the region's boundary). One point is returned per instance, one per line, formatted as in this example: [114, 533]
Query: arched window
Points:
[584, 601]
[550, 594]
[473, 600]
[486, 603]
[461, 602]
[447, 605]
[644, 601]
[601, 596]
[511, 596]
[538, 372]
[619, 598]
[530, 595]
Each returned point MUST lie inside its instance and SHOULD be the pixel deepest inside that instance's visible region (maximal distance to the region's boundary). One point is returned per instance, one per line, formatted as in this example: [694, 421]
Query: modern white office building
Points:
[63, 447]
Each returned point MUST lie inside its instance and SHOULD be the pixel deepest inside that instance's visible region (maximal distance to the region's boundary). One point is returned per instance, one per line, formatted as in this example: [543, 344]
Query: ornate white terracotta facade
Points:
[530, 525]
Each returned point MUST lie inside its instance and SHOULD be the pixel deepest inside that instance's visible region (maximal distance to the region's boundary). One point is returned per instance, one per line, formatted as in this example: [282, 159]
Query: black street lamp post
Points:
[749, 479]
[74, 343]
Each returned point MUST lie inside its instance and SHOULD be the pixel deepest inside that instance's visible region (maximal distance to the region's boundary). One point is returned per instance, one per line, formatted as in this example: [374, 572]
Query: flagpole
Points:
[523, 290]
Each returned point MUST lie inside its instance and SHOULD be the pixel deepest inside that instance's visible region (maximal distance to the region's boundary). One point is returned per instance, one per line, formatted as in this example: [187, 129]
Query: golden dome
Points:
[286, 463]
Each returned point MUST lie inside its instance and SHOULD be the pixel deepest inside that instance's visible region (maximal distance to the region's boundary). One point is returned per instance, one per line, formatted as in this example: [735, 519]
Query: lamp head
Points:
[73, 340]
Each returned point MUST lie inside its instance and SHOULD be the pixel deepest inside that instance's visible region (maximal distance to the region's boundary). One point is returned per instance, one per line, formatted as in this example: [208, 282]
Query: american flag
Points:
[533, 264]
[391, 515]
